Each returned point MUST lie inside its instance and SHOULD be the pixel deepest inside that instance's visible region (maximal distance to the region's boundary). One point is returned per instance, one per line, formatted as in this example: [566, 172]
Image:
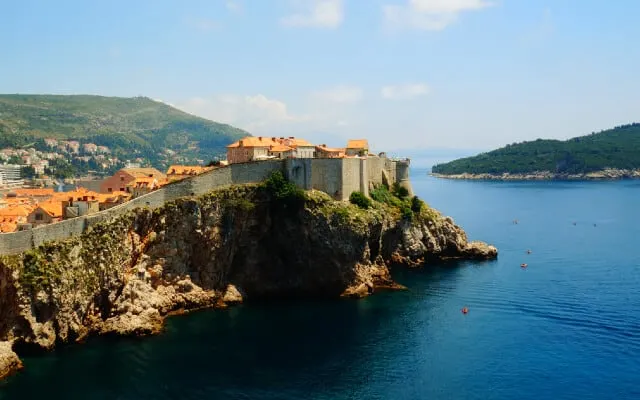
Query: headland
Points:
[212, 241]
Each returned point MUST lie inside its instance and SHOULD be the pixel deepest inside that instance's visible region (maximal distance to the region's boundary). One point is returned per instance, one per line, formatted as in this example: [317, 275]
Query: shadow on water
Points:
[241, 350]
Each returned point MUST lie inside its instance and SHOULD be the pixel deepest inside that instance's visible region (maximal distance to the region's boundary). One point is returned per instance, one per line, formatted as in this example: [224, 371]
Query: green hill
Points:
[131, 127]
[614, 148]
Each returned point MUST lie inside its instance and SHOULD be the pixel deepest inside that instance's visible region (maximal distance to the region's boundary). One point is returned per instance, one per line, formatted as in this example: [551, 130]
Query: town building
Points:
[90, 148]
[323, 151]
[136, 181]
[10, 175]
[46, 213]
[357, 147]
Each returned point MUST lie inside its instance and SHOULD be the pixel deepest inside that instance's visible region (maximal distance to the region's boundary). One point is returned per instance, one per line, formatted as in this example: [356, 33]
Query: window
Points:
[110, 190]
[122, 179]
[39, 217]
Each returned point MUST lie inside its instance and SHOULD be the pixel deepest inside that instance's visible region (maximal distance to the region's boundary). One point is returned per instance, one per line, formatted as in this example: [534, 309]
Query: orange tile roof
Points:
[16, 211]
[297, 142]
[254, 141]
[358, 144]
[7, 225]
[113, 196]
[329, 149]
[187, 169]
[279, 148]
[77, 194]
[143, 172]
[51, 207]
[33, 192]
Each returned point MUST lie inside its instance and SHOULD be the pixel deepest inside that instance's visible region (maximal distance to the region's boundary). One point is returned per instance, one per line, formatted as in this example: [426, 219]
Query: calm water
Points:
[567, 327]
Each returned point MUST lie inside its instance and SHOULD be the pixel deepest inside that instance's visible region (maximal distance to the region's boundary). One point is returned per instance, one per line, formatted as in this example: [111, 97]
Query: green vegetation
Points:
[284, 193]
[131, 127]
[613, 148]
[399, 198]
[360, 200]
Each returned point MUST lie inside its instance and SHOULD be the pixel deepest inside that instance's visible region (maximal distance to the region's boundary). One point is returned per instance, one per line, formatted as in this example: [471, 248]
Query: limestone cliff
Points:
[232, 245]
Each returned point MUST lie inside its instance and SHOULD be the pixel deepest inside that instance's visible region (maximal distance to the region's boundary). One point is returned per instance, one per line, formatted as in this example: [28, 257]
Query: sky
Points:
[409, 75]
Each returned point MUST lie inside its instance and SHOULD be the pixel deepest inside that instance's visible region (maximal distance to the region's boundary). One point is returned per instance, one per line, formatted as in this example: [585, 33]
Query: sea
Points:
[565, 327]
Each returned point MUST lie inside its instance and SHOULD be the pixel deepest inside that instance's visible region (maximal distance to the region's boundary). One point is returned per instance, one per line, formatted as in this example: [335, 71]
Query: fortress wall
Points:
[402, 175]
[254, 172]
[351, 174]
[390, 170]
[15, 242]
[299, 171]
[326, 175]
[337, 177]
[57, 231]
[375, 165]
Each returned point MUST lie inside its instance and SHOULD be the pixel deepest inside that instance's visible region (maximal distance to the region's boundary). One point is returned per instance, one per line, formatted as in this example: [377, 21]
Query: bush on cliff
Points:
[283, 192]
[416, 204]
[400, 192]
[382, 195]
[360, 200]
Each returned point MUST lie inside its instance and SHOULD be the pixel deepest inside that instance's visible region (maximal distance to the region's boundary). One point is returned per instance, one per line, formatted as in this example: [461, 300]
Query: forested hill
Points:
[131, 127]
[614, 148]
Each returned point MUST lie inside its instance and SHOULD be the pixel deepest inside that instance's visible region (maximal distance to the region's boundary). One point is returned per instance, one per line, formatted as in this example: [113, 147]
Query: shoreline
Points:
[609, 174]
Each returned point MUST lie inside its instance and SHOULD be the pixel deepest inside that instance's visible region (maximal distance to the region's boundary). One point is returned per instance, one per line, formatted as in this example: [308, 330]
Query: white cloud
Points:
[256, 113]
[315, 14]
[339, 94]
[432, 15]
[404, 92]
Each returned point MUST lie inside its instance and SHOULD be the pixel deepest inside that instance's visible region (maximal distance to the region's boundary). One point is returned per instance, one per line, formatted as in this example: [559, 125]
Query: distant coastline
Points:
[605, 174]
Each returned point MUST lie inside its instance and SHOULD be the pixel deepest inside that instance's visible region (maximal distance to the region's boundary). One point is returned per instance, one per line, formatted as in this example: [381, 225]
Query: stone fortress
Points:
[338, 177]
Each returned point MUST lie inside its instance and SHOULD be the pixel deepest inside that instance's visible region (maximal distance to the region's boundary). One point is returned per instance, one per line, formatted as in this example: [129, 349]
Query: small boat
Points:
[528, 251]
[523, 265]
[465, 310]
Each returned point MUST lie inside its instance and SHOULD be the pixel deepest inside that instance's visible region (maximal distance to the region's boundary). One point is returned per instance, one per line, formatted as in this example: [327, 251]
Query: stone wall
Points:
[327, 176]
[338, 177]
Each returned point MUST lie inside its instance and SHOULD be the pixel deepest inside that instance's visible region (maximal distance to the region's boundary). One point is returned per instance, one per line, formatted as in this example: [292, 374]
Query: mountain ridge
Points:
[132, 126]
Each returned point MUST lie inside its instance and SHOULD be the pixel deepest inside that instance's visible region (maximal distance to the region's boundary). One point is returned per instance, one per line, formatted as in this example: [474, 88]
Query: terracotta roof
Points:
[113, 196]
[187, 170]
[143, 172]
[8, 225]
[329, 149]
[254, 141]
[358, 144]
[53, 208]
[77, 194]
[33, 192]
[279, 148]
[264, 141]
[16, 211]
[297, 142]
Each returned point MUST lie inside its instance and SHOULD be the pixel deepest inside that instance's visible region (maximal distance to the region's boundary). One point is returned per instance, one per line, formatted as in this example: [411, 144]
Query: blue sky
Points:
[407, 74]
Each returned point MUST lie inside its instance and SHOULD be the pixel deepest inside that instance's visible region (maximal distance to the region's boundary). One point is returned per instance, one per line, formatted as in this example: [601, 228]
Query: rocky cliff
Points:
[232, 245]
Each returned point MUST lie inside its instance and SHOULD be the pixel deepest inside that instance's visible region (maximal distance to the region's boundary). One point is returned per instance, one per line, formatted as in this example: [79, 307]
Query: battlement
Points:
[338, 177]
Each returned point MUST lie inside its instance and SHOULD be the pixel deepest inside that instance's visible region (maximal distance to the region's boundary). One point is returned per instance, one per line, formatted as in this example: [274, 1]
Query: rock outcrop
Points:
[232, 245]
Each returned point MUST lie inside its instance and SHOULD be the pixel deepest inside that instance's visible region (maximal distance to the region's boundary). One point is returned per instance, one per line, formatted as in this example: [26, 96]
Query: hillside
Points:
[617, 148]
[131, 127]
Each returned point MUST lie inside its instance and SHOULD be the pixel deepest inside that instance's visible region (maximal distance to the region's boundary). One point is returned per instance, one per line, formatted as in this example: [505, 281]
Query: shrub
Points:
[416, 204]
[382, 195]
[284, 192]
[400, 191]
[406, 212]
[359, 199]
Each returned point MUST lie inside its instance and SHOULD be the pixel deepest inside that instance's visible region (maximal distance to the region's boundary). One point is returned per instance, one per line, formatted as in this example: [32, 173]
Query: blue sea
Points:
[566, 327]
